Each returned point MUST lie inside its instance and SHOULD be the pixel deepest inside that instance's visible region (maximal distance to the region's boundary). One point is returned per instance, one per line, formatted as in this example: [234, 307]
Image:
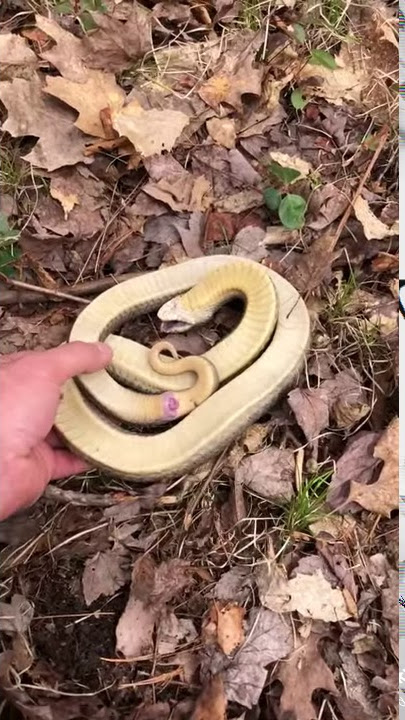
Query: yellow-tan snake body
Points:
[253, 365]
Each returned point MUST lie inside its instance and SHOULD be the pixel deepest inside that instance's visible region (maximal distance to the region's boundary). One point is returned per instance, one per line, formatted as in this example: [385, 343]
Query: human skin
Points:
[31, 455]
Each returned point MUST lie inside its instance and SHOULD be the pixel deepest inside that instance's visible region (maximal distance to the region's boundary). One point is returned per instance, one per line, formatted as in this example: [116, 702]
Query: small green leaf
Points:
[299, 33]
[63, 8]
[87, 21]
[323, 58]
[292, 211]
[8, 256]
[297, 99]
[272, 198]
[285, 174]
[7, 233]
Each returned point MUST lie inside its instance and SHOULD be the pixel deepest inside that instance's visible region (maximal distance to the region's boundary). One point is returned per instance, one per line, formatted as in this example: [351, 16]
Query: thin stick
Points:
[73, 497]
[43, 291]
[89, 287]
[346, 215]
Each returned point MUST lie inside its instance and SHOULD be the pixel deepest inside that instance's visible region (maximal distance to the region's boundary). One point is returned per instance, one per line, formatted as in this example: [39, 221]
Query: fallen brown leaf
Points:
[313, 597]
[97, 92]
[327, 204]
[234, 585]
[228, 621]
[134, 631]
[314, 265]
[114, 45]
[372, 226]
[303, 672]
[14, 50]
[103, 575]
[341, 398]
[173, 631]
[60, 142]
[150, 131]
[269, 473]
[381, 496]
[67, 52]
[268, 638]
[211, 704]
[181, 192]
[16, 616]
[235, 77]
[357, 702]
[222, 131]
[358, 464]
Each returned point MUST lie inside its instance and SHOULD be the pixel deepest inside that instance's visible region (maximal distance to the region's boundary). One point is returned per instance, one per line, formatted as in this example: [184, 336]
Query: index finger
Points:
[71, 359]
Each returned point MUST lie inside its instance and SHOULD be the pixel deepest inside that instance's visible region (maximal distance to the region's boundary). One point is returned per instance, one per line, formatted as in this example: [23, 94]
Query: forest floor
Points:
[263, 585]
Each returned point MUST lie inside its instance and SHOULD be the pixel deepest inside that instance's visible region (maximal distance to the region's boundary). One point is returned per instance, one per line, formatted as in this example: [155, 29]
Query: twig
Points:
[89, 287]
[346, 215]
[73, 497]
[43, 291]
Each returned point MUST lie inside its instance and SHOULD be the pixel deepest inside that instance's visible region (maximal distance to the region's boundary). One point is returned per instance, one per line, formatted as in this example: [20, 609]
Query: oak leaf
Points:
[381, 496]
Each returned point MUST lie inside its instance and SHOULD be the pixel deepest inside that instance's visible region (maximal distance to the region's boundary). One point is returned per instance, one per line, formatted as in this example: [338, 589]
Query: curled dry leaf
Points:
[373, 227]
[103, 575]
[150, 131]
[346, 82]
[31, 112]
[327, 204]
[16, 616]
[269, 473]
[303, 672]
[223, 131]
[225, 626]
[381, 496]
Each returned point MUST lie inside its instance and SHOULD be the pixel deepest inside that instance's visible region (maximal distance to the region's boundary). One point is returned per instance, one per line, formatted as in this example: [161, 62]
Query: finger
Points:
[71, 359]
[65, 464]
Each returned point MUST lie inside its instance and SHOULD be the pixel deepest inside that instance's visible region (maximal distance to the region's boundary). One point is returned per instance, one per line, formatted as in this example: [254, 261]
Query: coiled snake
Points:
[217, 395]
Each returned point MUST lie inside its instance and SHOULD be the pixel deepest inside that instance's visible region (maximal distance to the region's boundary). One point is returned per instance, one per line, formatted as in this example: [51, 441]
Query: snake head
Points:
[178, 318]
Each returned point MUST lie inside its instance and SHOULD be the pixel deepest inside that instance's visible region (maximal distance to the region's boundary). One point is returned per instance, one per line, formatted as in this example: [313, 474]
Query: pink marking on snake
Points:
[170, 406]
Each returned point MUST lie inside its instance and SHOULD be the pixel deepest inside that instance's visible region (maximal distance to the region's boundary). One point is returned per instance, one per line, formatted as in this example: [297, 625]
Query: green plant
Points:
[339, 300]
[9, 250]
[307, 505]
[297, 99]
[250, 14]
[81, 9]
[322, 58]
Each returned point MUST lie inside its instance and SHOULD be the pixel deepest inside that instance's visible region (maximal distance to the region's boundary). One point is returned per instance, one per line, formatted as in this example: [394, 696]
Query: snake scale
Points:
[227, 389]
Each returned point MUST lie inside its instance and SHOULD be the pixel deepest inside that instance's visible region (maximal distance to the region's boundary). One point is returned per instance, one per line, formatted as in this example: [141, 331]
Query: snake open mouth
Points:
[174, 326]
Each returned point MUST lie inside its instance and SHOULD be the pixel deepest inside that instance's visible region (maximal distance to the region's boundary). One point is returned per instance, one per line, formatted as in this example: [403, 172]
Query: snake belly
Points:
[211, 426]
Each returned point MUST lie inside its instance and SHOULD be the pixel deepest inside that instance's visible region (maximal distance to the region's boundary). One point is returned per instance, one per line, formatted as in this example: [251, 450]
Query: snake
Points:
[208, 400]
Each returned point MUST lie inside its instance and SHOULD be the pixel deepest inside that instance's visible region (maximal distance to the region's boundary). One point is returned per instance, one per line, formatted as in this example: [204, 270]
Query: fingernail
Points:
[105, 350]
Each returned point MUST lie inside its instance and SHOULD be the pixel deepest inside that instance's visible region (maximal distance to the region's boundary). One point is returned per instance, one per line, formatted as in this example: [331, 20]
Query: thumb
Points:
[70, 359]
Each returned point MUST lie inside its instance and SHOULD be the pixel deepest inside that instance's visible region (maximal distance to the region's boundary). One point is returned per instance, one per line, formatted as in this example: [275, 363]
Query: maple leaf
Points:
[99, 92]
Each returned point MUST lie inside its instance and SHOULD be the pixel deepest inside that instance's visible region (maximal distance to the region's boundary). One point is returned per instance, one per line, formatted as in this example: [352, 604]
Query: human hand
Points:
[31, 455]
